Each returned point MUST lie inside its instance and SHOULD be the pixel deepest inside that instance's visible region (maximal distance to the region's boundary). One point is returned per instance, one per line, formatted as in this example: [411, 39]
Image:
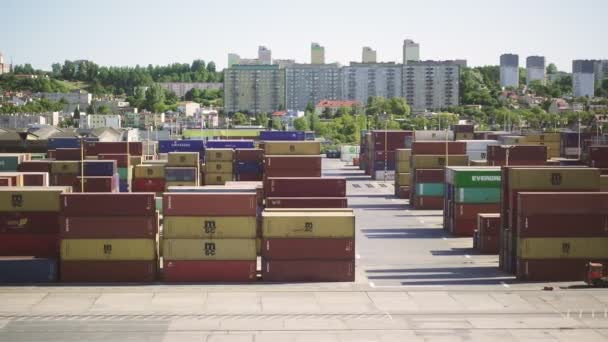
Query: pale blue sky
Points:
[125, 32]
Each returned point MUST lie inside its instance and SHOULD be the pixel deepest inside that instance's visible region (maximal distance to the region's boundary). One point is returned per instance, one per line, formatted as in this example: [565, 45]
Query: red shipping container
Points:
[93, 148]
[248, 177]
[121, 159]
[63, 180]
[68, 154]
[305, 187]
[308, 249]
[403, 192]
[35, 166]
[558, 225]
[292, 162]
[249, 154]
[111, 227]
[379, 155]
[538, 162]
[391, 139]
[463, 226]
[308, 270]
[6, 181]
[35, 179]
[38, 245]
[209, 271]
[489, 244]
[283, 173]
[50, 154]
[306, 202]
[470, 211]
[111, 204]
[108, 271]
[429, 176]
[29, 223]
[148, 185]
[94, 184]
[210, 204]
[579, 203]
[438, 147]
[517, 153]
[428, 202]
[555, 269]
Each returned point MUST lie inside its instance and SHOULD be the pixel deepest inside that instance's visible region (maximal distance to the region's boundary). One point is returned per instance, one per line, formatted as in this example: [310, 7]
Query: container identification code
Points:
[486, 178]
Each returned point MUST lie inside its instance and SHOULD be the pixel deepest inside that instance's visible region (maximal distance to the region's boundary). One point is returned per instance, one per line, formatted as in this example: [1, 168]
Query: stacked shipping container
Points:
[182, 169]
[402, 173]
[149, 178]
[248, 164]
[488, 233]
[381, 152]
[513, 155]
[218, 165]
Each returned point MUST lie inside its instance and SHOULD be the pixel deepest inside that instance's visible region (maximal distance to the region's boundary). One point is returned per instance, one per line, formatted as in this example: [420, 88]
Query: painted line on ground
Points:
[467, 256]
[373, 285]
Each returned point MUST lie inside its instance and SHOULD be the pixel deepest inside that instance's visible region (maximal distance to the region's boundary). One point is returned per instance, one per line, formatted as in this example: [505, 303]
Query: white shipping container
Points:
[571, 151]
[479, 145]
[379, 175]
[433, 135]
[477, 155]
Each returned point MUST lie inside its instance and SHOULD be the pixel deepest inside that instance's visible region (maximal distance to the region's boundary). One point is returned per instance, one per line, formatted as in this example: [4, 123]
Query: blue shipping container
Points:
[230, 144]
[55, 143]
[124, 186]
[100, 168]
[248, 167]
[27, 270]
[379, 165]
[282, 135]
[180, 174]
[166, 146]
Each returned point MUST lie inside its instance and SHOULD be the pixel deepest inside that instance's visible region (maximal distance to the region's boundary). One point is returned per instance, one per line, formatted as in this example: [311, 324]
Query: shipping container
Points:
[231, 144]
[403, 192]
[430, 135]
[35, 166]
[69, 154]
[56, 143]
[108, 249]
[429, 189]
[292, 148]
[136, 271]
[403, 179]
[488, 226]
[293, 162]
[217, 178]
[308, 249]
[154, 185]
[101, 204]
[149, 171]
[65, 167]
[31, 199]
[94, 184]
[308, 270]
[438, 161]
[552, 179]
[306, 187]
[306, 202]
[167, 146]
[291, 173]
[498, 153]
[429, 175]
[209, 271]
[248, 167]
[183, 159]
[210, 204]
[311, 224]
[122, 160]
[210, 227]
[93, 148]
[209, 249]
[562, 225]
[218, 154]
[122, 227]
[473, 177]
[477, 195]
[24, 269]
[282, 135]
[428, 202]
[39, 245]
[249, 154]
[438, 148]
[181, 174]
[389, 140]
[219, 167]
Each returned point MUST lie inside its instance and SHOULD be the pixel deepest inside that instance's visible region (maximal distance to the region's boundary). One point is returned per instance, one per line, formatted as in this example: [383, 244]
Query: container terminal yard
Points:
[452, 235]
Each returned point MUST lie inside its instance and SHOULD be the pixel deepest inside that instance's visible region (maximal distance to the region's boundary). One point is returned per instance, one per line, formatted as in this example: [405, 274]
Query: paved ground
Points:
[414, 283]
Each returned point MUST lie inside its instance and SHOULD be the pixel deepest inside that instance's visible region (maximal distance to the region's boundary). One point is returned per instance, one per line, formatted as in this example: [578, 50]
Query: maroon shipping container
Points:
[94, 184]
[429, 176]
[110, 227]
[308, 270]
[93, 148]
[598, 156]
[580, 203]
[538, 162]
[528, 153]
[403, 192]
[6, 181]
[463, 226]
[108, 271]
[428, 202]
[439, 147]
[121, 159]
[29, 223]
[68, 154]
[209, 271]
[50, 154]
[306, 202]
[379, 155]
[470, 211]
[35, 166]
[248, 177]
[391, 139]
[282, 173]
[210, 204]
[488, 244]
[308, 249]
[111, 204]
[557, 225]
[148, 185]
[63, 180]
[35, 179]
[305, 187]
[555, 269]
[292, 162]
[38, 245]
[249, 154]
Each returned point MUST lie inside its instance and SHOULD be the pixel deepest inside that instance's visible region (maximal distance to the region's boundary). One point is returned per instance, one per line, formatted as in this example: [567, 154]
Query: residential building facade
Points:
[4, 66]
[254, 88]
[233, 59]
[368, 55]
[362, 80]
[181, 88]
[93, 121]
[583, 78]
[75, 99]
[311, 83]
[264, 55]
[431, 85]
[23, 120]
[411, 51]
[535, 69]
[509, 70]
[333, 106]
[317, 54]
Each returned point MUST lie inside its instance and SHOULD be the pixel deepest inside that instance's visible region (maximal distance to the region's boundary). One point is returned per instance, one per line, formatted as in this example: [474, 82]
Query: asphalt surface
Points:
[414, 283]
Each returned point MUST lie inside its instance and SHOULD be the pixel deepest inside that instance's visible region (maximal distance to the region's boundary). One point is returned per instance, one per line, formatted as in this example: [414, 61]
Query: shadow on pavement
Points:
[479, 275]
[403, 233]
[454, 251]
[385, 206]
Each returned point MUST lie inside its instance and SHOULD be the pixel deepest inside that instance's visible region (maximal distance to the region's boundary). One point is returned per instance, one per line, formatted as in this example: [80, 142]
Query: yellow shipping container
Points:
[29, 199]
[218, 167]
[482, 162]
[62, 167]
[554, 178]
[219, 154]
[438, 161]
[464, 136]
[108, 249]
[403, 179]
[292, 148]
[312, 224]
[308, 210]
[177, 183]
[207, 249]
[403, 166]
[563, 248]
[604, 183]
[217, 178]
[183, 159]
[403, 155]
[210, 227]
[546, 137]
[149, 171]
[135, 160]
[258, 246]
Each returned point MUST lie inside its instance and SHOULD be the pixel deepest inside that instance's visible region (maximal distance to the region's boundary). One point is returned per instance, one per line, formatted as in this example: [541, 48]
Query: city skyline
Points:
[155, 33]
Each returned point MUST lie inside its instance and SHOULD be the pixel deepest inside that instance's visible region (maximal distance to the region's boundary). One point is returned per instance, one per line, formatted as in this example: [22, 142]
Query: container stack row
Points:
[402, 173]
[183, 169]
[381, 146]
[486, 239]
[218, 166]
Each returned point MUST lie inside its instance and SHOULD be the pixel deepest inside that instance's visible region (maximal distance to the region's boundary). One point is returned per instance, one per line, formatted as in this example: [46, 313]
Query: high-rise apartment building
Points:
[4, 67]
[411, 51]
[368, 55]
[601, 71]
[311, 83]
[264, 55]
[535, 69]
[317, 54]
[233, 59]
[283, 63]
[254, 88]
[509, 70]
[431, 85]
[583, 78]
[362, 80]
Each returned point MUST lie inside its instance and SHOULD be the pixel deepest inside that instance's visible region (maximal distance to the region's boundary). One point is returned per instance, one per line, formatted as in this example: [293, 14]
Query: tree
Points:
[240, 119]
[301, 124]
[90, 109]
[551, 69]
[155, 96]
[310, 108]
[398, 106]
[76, 117]
[261, 119]
[277, 123]
[211, 67]
[103, 109]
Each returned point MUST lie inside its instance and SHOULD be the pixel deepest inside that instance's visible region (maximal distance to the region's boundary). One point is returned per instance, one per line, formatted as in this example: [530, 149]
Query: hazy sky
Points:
[125, 32]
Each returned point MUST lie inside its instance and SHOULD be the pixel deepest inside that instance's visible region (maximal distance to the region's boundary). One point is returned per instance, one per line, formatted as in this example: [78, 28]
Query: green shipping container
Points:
[9, 163]
[429, 189]
[473, 177]
[477, 195]
[123, 173]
